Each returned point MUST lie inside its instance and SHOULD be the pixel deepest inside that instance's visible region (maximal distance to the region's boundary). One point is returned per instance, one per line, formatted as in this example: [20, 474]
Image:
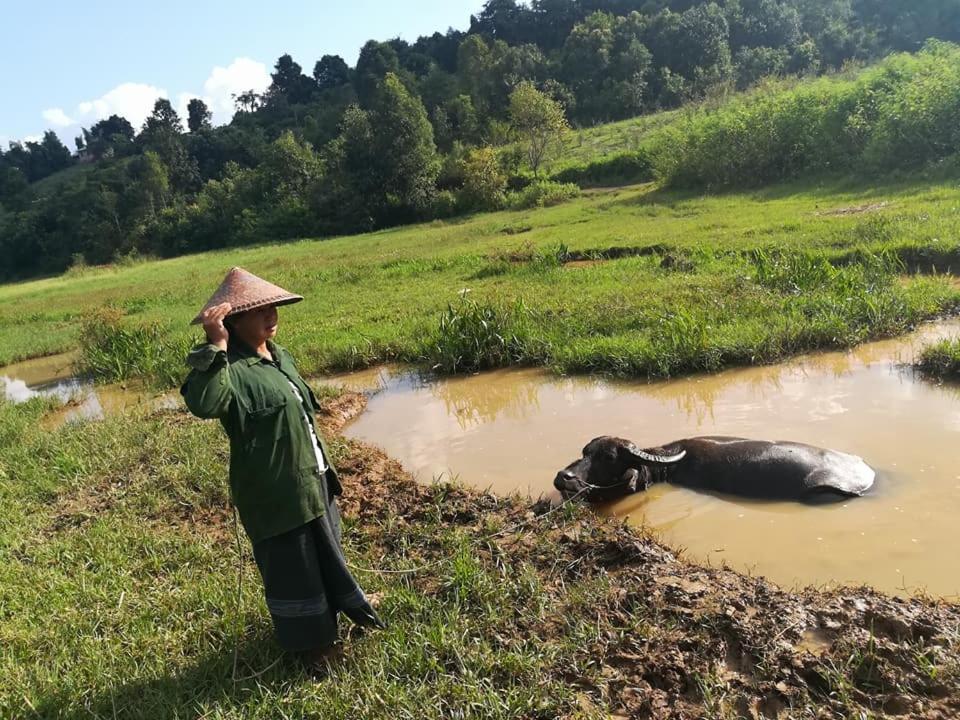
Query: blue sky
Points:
[68, 64]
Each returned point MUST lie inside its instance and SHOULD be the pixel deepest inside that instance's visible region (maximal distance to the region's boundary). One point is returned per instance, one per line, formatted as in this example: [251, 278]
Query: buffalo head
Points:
[611, 467]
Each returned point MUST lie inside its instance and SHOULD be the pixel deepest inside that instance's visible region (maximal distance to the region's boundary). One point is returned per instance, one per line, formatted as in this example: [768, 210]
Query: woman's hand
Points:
[212, 320]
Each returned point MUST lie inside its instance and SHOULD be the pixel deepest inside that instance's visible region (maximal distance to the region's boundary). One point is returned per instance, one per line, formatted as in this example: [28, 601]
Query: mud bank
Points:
[672, 639]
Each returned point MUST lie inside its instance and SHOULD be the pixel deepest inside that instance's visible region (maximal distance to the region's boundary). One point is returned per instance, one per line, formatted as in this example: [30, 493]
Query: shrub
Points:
[484, 183]
[901, 113]
[543, 193]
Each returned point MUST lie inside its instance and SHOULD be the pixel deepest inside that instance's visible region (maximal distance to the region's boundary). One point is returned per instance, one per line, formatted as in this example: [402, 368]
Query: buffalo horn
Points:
[656, 459]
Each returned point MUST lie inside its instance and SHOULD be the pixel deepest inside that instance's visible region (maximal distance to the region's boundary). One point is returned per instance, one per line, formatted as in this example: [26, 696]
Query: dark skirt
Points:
[307, 583]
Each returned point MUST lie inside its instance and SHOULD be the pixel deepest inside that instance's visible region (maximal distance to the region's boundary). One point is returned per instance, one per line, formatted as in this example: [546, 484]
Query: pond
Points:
[513, 430]
[55, 377]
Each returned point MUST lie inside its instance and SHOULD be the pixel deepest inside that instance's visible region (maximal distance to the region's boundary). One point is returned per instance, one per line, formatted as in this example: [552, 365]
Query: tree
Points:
[150, 183]
[499, 20]
[383, 168]
[163, 119]
[162, 133]
[198, 115]
[403, 143]
[112, 136]
[248, 101]
[475, 68]
[53, 155]
[755, 63]
[289, 82]
[538, 121]
[330, 72]
[375, 62]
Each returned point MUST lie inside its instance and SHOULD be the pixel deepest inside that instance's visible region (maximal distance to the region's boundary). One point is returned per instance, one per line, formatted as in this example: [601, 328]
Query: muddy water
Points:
[512, 430]
[54, 377]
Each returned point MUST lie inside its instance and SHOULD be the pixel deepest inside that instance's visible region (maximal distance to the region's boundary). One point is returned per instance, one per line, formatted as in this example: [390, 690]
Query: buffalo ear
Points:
[631, 477]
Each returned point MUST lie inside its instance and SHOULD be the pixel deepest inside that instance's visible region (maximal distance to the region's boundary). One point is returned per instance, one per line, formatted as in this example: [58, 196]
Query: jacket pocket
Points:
[266, 425]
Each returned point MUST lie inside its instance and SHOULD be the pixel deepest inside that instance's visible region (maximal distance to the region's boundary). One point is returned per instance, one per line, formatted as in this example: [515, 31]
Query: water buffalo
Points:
[612, 467]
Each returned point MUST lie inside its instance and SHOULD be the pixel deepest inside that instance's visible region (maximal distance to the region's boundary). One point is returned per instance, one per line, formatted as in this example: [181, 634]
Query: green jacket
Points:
[274, 477]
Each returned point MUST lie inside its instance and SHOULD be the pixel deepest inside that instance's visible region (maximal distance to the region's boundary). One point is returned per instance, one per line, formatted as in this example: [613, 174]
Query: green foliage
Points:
[605, 64]
[539, 122]
[112, 350]
[584, 61]
[472, 336]
[543, 193]
[941, 360]
[622, 168]
[198, 115]
[899, 114]
[484, 183]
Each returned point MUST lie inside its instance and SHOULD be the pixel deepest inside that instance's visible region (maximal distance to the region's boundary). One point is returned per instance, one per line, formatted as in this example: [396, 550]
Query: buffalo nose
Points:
[563, 479]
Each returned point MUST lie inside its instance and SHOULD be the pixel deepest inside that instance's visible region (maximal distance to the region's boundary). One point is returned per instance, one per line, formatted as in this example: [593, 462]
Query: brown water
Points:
[512, 431]
[81, 399]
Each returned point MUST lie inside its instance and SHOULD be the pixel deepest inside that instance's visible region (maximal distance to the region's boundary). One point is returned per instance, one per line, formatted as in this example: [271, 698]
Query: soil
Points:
[720, 639]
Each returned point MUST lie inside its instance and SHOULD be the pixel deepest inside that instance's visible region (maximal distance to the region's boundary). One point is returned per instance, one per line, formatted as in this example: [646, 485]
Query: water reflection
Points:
[79, 398]
[515, 401]
[512, 430]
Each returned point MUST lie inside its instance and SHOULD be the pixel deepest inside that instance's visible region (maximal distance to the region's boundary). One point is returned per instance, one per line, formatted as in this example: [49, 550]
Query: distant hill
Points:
[336, 149]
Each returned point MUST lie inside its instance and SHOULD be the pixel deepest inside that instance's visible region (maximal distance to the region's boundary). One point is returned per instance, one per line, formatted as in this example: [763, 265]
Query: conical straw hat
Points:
[245, 291]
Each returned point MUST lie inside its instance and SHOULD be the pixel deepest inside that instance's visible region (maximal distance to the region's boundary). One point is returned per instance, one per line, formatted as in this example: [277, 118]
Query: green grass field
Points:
[706, 281]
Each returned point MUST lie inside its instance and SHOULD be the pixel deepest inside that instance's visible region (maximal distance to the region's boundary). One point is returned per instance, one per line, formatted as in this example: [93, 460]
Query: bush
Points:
[484, 183]
[445, 205]
[900, 113]
[615, 169]
[543, 193]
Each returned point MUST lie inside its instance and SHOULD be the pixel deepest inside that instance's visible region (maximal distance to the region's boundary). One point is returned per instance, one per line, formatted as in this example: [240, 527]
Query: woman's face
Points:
[256, 326]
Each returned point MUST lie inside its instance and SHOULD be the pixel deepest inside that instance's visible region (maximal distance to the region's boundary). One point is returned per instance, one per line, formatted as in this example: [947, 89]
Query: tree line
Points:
[405, 133]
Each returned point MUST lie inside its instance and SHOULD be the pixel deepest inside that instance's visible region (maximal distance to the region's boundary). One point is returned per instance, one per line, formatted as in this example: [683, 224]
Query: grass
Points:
[941, 360]
[682, 290]
[119, 578]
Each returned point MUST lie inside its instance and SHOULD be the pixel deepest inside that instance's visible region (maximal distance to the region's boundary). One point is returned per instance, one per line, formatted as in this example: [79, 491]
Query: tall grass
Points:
[900, 114]
[941, 360]
[473, 336]
[113, 351]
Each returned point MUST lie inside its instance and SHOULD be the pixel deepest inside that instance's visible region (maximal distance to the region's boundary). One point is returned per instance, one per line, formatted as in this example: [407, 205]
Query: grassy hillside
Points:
[672, 282]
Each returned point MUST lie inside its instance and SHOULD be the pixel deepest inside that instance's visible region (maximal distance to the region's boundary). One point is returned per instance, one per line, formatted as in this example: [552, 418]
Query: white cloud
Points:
[239, 76]
[57, 117]
[32, 138]
[134, 101]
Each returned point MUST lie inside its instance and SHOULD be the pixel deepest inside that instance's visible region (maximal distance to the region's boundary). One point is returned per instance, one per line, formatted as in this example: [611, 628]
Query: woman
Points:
[281, 479]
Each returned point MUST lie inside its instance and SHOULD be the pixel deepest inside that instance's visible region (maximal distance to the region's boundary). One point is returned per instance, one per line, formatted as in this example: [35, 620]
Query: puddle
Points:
[81, 399]
[512, 430]
[815, 641]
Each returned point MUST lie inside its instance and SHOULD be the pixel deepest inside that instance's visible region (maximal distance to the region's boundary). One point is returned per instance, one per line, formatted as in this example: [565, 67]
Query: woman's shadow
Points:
[187, 693]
